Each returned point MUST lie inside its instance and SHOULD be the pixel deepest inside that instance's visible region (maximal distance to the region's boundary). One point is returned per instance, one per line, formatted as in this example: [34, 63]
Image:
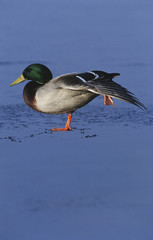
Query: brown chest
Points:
[29, 93]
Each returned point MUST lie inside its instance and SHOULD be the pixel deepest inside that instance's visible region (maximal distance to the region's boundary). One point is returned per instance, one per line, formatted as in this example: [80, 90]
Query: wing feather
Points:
[100, 86]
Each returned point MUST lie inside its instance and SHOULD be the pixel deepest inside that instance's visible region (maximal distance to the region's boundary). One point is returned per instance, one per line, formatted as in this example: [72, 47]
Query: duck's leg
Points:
[108, 100]
[67, 126]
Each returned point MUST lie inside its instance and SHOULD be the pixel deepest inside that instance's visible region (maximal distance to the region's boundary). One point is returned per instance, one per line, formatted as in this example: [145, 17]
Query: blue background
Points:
[94, 182]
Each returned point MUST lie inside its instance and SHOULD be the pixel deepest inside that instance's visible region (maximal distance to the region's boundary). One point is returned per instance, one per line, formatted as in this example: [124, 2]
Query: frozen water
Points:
[94, 182]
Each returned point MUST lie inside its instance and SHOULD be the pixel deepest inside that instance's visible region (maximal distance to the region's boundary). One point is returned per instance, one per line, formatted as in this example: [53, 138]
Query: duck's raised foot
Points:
[108, 100]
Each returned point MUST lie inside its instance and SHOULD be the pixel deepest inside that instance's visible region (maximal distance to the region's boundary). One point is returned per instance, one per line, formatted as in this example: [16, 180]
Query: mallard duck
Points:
[68, 92]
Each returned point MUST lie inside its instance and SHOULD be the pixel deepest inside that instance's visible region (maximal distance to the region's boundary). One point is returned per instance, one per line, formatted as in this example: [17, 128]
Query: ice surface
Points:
[94, 182]
[91, 185]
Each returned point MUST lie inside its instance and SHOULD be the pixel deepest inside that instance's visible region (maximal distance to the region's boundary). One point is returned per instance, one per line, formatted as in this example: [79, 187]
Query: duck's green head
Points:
[35, 72]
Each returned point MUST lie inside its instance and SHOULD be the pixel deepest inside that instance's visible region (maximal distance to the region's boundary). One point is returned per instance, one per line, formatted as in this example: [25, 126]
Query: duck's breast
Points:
[29, 93]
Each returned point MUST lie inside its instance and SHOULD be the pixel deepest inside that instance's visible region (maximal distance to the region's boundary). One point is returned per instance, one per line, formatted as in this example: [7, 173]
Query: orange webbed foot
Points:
[55, 129]
[108, 100]
[67, 126]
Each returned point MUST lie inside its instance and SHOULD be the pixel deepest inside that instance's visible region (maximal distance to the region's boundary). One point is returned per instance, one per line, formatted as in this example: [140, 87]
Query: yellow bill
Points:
[20, 79]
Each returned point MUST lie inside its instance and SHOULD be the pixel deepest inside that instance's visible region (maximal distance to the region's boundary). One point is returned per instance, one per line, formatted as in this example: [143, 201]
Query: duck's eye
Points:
[28, 70]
